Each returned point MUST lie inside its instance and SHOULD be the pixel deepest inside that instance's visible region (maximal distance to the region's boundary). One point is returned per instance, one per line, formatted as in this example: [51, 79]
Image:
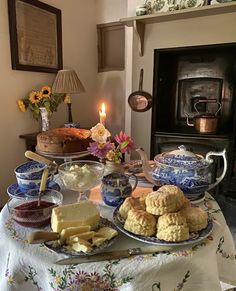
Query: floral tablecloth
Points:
[199, 267]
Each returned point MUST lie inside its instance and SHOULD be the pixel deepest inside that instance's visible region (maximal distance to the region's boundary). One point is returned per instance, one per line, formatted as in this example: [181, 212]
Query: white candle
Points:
[102, 114]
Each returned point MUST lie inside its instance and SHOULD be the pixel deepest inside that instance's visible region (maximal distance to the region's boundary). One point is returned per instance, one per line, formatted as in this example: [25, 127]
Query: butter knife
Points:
[113, 255]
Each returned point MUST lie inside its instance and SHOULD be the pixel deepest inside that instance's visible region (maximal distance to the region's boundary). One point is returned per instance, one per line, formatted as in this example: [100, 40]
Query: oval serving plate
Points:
[63, 250]
[195, 237]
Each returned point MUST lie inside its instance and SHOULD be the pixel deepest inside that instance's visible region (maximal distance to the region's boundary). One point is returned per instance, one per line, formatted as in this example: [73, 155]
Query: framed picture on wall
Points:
[35, 36]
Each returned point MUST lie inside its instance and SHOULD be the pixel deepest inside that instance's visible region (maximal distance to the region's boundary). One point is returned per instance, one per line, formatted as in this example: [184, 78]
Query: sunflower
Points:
[46, 91]
[21, 105]
[35, 97]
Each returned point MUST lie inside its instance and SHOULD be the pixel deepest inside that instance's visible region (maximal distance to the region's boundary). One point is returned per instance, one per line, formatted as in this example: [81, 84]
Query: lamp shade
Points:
[67, 82]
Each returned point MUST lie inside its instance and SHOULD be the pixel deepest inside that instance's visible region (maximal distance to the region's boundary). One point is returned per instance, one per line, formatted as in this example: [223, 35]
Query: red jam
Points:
[30, 214]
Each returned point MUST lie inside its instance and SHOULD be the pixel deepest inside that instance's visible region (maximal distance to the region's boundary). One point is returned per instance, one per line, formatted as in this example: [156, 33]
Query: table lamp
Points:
[67, 82]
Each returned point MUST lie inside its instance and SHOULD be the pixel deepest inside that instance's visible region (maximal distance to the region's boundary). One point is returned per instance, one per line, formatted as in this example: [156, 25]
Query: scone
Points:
[140, 222]
[166, 199]
[197, 218]
[171, 219]
[142, 199]
[130, 203]
[172, 227]
[173, 233]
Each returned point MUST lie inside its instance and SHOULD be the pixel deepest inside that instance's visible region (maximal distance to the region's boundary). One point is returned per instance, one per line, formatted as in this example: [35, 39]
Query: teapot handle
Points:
[188, 121]
[210, 161]
[135, 183]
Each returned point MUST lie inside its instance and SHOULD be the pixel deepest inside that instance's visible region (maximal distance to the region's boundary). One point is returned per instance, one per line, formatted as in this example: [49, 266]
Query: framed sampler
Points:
[35, 36]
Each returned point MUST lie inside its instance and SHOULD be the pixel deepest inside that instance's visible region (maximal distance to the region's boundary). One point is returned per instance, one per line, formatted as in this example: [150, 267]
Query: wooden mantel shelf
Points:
[139, 22]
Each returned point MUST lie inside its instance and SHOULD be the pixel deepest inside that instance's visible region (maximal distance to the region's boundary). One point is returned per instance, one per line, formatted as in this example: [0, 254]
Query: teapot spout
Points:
[145, 165]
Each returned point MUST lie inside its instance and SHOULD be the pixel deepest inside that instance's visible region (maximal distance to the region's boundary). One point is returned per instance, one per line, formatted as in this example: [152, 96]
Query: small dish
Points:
[14, 190]
[28, 213]
[63, 250]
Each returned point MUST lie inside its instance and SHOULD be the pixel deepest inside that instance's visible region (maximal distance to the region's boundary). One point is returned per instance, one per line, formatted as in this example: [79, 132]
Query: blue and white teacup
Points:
[116, 187]
[30, 170]
[29, 184]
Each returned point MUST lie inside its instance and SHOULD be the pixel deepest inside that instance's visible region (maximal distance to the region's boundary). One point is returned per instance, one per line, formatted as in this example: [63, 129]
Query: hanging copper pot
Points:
[205, 123]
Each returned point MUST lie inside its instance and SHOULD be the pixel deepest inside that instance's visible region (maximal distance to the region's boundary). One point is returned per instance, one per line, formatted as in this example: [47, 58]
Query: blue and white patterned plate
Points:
[15, 192]
[195, 237]
[63, 250]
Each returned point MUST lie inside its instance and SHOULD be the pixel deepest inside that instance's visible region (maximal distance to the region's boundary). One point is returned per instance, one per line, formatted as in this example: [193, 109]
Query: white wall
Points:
[111, 85]
[189, 32]
[79, 52]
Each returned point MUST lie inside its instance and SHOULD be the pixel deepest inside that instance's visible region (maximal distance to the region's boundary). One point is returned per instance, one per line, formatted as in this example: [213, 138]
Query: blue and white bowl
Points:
[30, 170]
[72, 125]
[27, 184]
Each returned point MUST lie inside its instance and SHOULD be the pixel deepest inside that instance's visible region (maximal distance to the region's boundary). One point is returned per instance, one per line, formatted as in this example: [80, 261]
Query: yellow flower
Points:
[99, 133]
[57, 279]
[10, 279]
[87, 287]
[35, 97]
[110, 155]
[21, 105]
[67, 99]
[46, 91]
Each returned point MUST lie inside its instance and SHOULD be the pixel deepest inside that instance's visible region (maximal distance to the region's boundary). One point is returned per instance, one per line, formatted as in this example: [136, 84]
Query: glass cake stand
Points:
[66, 157]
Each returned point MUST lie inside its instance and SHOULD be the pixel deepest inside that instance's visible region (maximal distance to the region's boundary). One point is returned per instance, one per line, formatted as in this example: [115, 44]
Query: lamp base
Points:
[70, 119]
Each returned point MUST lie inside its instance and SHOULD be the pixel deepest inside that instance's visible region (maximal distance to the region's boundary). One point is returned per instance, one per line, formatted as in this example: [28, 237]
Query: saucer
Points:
[15, 192]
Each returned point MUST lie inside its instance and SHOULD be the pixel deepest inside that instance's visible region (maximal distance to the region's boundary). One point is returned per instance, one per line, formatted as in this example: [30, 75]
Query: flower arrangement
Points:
[43, 98]
[103, 148]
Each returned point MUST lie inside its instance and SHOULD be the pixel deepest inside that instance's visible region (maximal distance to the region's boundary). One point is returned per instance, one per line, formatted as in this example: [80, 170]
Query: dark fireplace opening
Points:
[185, 75]
[191, 81]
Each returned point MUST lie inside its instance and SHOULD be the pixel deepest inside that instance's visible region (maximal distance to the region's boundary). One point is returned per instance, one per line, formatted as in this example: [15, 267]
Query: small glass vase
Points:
[111, 167]
[45, 119]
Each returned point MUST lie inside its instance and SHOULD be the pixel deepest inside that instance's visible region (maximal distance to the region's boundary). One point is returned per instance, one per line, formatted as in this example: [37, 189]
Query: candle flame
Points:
[103, 108]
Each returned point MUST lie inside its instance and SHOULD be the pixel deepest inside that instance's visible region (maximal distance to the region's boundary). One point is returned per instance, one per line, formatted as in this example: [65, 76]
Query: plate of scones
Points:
[163, 217]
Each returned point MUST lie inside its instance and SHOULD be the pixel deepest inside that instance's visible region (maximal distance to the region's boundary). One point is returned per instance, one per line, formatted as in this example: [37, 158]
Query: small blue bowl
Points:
[27, 184]
[30, 170]
[72, 125]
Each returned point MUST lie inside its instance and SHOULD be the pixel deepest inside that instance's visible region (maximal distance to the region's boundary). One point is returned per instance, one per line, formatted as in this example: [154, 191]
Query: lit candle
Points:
[103, 115]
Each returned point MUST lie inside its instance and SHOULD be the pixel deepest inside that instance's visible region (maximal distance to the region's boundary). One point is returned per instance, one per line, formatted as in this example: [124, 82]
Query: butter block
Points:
[75, 238]
[70, 231]
[97, 240]
[82, 246]
[107, 232]
[75, 215]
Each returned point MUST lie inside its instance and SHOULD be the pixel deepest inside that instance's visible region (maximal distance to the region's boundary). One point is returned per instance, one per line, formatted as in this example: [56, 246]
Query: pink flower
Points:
[126, 143]
[100, 150]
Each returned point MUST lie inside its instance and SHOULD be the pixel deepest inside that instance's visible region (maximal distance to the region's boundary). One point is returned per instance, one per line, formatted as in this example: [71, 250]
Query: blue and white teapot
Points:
[189, 171]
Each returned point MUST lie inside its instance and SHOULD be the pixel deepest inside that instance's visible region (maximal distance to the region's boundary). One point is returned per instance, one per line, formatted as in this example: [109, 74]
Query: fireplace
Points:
[182, 78]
